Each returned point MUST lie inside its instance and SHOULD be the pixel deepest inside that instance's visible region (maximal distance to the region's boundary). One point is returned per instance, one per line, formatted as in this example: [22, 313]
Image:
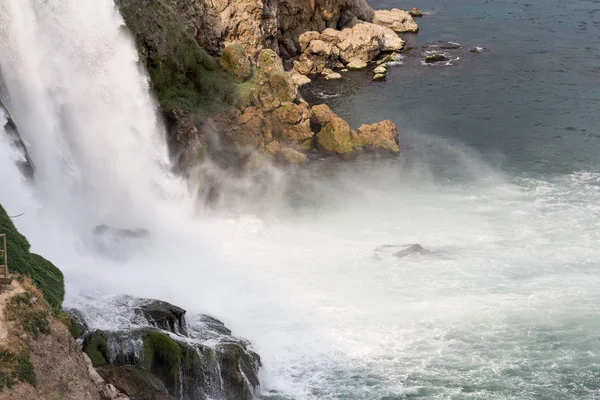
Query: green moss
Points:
[15, 367]
[327, 140]
[183, 75]
[234, 60]
[282, 86]
[25, 371]
[161, 353]
[33, 317]
[96, 347]
[435, 58]
[75, 329]
[42, 272]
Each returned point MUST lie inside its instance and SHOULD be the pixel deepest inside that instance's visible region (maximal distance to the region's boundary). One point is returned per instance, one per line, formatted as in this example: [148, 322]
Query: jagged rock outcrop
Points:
[194, 359]
[250, 92]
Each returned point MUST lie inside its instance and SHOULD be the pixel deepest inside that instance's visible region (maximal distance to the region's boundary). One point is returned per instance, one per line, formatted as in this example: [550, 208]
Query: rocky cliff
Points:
[226, 74]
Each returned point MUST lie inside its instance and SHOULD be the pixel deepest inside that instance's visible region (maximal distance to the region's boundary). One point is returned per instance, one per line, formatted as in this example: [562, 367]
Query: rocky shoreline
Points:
[250, 57]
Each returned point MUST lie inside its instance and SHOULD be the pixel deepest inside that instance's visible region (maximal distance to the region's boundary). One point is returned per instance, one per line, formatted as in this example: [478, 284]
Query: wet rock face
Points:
[160, 355]
[135, 382]
[164, 316]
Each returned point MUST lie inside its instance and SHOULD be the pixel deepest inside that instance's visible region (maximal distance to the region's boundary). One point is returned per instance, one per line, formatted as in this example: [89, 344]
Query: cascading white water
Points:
[486, 315]
[83, 108]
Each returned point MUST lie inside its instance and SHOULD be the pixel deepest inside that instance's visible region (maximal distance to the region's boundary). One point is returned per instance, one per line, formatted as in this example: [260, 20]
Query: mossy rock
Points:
[269, 62]
[283, 87]
[96, 347]
[235, 61]
[163, 315]
[162, 356]
[42, 272]
[434, 58]
[135, 382]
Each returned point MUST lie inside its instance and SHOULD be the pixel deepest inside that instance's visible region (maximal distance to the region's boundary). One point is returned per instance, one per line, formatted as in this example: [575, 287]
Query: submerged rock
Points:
[416, 13]
[434, 58]
[138, 233]
[400, 251]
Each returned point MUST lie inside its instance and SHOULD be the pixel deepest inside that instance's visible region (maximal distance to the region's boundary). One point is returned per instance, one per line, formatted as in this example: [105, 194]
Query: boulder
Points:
[415, 13]
[333, 36]
[434, 58]
[163, 315]
[299, 79]
[379, 137]
[356, 65]
[292, 156]
[335, 135]
[135, 382]
[324, 49]
[283, 86]
[395, 19]
[304, 65]
[235, 61]
[365, 41]
[380, 70]
[379, 77]
[305, 39]
[291, 122]
[252, 129]
[269, 62]
[362, 43]
[333, 76]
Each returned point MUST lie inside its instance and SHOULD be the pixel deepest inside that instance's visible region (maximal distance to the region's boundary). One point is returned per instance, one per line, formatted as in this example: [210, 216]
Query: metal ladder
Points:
[5, 278]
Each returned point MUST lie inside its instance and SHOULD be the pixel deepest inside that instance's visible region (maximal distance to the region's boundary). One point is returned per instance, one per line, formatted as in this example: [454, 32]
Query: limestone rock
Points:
[335, 135]
[365, 41]
[234, 60]
[291, 122]
[283, 86]
[379, 137]
[307, 37]
[395, 19]
[357, 64]
[333, 76]
[304, 65]
[269, 62]
[333, 36]
[299, 79]
[380, 70]
[252, 129]
[379, 77]
[321, 48]
[292, 156]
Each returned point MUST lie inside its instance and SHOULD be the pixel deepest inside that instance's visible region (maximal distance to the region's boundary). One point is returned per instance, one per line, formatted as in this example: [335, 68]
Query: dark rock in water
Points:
[434, 58]
[477, 50]
[415, 13]
[119, 232]
[197, 359]
[401, 251]
[135, 382]
[411, 249]
[25, 164]
[163, 315]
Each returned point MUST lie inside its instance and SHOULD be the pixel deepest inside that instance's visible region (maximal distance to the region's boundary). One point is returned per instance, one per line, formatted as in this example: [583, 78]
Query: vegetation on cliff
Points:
[47, 277]
[184, 76]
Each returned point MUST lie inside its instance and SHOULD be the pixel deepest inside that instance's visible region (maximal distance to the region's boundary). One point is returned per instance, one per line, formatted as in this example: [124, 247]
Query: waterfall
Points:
[73, 84]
